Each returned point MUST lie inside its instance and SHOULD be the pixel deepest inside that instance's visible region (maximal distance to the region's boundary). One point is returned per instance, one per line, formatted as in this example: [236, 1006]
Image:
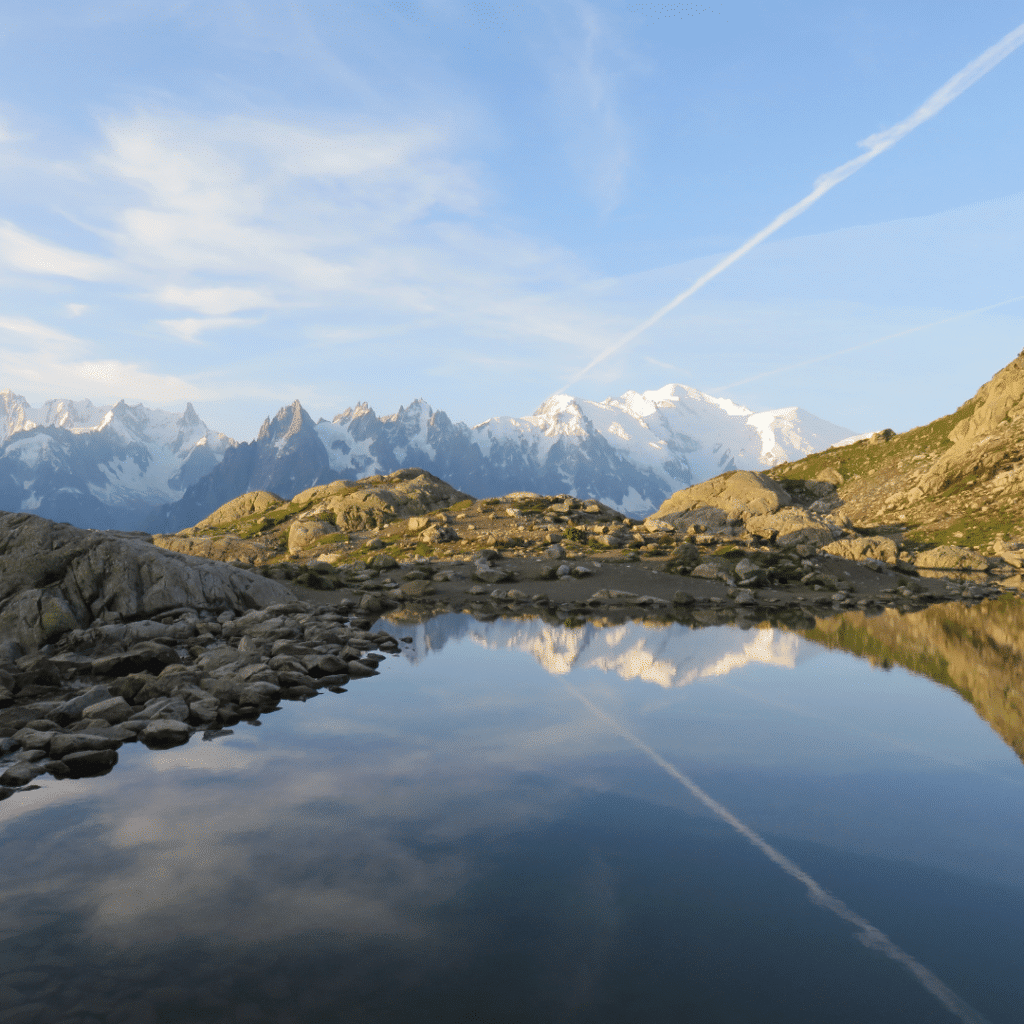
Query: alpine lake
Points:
[522, 821]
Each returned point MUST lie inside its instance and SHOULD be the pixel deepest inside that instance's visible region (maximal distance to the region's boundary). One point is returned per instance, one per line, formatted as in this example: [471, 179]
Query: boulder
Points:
[857, 549]
[792, 526]
[740, 494]
[439, 534]
[304, 532]
[950, 556]
[55, 578]
[165, 733]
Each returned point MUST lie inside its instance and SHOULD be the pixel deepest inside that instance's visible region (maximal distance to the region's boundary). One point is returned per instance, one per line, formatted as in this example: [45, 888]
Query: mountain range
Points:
[129, 467]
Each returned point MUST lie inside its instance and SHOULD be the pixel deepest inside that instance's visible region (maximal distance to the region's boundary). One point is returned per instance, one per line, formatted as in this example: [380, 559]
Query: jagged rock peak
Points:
[361, 409]
[288, 422]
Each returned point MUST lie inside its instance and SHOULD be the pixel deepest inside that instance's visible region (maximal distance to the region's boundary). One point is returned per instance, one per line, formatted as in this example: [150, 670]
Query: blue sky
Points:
[239, 204]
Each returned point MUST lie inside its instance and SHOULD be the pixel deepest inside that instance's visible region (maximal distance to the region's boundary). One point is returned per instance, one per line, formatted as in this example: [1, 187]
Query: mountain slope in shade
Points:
[286, 457]
[100, 467]
[630, 452]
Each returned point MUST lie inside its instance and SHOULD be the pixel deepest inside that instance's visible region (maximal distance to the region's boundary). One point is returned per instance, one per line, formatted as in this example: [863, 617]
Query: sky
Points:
[240, 204]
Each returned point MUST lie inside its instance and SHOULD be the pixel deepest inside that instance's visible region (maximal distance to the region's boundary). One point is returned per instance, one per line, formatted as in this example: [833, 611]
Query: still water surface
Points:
[523, 822]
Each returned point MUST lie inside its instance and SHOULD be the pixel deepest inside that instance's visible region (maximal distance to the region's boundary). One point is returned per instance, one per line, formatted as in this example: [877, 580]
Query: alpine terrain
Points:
[630, 452]
[100, 467]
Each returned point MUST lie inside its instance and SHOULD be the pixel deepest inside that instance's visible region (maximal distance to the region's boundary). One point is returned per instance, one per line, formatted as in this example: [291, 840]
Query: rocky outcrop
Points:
[55, 578]
[251, 503]
[881, 549]
[739, 494]
[951, 556]
[379, 500]
[225, 548]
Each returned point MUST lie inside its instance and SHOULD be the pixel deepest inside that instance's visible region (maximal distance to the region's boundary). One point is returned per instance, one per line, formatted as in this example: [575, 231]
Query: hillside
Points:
[958, 480]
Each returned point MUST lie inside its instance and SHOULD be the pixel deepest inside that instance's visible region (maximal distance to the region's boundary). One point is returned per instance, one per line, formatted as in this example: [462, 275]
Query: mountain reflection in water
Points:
[521, 822]
[977, 650]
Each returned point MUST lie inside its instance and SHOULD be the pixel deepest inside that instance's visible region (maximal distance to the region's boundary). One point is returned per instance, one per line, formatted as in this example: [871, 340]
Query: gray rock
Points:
[10, 650]
[204, 711]
[72, 742]
[858, 549]
[90, 762]
[422, 588]
[439, 535]
[114, 710]
[359, 669]
[33, 739]
[304, 532]
[73, 708]
[554, 551]
[582, 571]
[485, 574]
[20, 774]
[165, 733]
[55, 578]
[739, 494]
[790, 527]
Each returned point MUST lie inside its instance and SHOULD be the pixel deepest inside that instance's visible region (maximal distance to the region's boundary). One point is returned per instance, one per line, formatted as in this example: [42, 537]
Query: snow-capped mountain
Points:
[105, 467]
[629, 452]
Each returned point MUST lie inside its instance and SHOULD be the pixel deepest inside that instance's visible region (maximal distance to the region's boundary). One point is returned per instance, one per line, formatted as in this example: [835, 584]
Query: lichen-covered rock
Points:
[251, 503]
[884, 549]
[304, 532]
[225, 548]
[378, 500]
[950, 556]
[55, 578]
[739, 494]
[792, 526]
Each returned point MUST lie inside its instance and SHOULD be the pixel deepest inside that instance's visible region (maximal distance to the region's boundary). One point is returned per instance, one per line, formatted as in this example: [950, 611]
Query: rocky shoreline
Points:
[70, 706]
[66, 708]
[111, 638]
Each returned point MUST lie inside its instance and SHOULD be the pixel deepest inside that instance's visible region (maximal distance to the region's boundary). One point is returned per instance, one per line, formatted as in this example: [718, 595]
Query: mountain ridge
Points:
[629, 452]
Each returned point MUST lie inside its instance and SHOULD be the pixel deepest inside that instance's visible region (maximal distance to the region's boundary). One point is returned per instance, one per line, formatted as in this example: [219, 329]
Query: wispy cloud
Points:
[586, 90]
[215, 301]
[190, 328]
[874, 146]
[40, 358]
[21, 251]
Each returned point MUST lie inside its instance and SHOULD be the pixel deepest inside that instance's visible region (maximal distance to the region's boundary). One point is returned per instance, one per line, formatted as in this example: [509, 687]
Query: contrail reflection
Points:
[874, 145]
[867, 933]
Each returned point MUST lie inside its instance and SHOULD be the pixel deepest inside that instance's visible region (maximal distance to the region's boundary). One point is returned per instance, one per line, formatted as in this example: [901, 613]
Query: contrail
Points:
[865, 344]
[867, 933]
[874, 146]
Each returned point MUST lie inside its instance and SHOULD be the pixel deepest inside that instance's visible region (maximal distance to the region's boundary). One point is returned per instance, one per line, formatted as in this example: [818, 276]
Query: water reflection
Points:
[463, 837]
[978, 650]
[656, 652]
